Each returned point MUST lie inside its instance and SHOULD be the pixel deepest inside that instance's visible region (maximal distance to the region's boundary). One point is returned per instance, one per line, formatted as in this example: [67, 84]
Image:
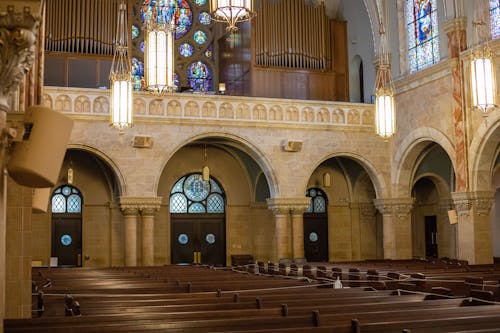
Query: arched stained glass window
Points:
[66, 199]
[495, 18]
[423, 37]
[191, 194]
[319, 201]
[162, 12]
[199, 76]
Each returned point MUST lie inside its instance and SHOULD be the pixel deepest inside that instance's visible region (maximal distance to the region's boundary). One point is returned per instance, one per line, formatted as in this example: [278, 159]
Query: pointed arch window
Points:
[495, 18]
[66, 199]
[191, 194]
[319, 201]
[423, 36]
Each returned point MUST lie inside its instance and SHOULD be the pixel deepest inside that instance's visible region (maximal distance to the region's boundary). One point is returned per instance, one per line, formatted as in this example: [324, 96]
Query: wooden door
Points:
[203, 233]
[316, 237]
[431, 246]
[67, 240]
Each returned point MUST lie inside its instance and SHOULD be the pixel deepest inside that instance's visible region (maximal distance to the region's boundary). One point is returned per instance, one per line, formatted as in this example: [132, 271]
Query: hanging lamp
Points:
[231, 12]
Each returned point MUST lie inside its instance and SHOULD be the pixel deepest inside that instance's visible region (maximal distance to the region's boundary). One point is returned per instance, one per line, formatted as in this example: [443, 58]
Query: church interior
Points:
[268, 141]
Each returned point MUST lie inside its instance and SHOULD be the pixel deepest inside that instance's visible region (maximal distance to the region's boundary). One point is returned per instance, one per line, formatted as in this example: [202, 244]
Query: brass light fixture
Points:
[483, 84]
[205, 174]
[120, 75]
[232, 12]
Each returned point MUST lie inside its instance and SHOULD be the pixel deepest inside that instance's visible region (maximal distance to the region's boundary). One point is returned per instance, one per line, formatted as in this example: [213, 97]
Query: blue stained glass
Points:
[214, 187]
[163, 11]
[190, 194]
[215, 203]
[199, 77]
[200, 37]
[74, 204]
[58, 204]
[209, 52]
[178, 203]
[195, 188]
[319, 205]
[141, 46]
[422, 28]
[200, 2]
[495, 18]
[135, 31]
[318, 201]
[176, 80]
[186, 50]
[183, 239]
[178, 186]
[66, 240]
[196, 208]
[66, 190]
[66, 199]
[137, 74]
[313, 237]
[204, 18]
[183, 20]
[210, 238]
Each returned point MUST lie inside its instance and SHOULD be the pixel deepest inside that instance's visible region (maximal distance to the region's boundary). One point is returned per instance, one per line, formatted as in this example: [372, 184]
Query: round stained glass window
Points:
[184, 20]
[200, 2]
[186, 50]
[183, 239]
[195, 188]
[313, 237]
[66, 240]
[141, 46]
[210, 238]
[135, 31]
[66, 190]
[200, 37]
[205, 18]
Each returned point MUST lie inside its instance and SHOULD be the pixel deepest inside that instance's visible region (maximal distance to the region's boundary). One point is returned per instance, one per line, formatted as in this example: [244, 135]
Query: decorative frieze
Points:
[481, 201]
[145, 205]
[398, 207]
[281, 206]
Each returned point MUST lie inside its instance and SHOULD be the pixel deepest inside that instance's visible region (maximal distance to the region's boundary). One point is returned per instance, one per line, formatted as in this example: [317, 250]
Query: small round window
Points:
[66, 240]
[183, 239]
[313, 237]
[210, 238]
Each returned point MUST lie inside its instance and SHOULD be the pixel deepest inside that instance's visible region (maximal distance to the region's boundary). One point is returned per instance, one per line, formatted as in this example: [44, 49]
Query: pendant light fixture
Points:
[231, 12]
[205, 174]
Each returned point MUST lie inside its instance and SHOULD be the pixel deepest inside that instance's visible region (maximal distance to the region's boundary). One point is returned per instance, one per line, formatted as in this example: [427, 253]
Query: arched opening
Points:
[197, 221]
[356, 85]
[66, 208]
[316, 226]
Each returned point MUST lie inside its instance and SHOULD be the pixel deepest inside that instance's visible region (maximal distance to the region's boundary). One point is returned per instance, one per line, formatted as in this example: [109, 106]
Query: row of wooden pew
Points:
[264, 298]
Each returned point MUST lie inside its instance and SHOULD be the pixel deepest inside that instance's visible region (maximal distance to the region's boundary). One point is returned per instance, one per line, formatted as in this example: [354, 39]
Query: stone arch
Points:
[323, 115]
[156, 107]
[173, 108]
[484, 150]
[47, 101]
[63, 103]
[292, 113]
[307, 114]
[243, 111]
[276, 113]
[409, 150]
[338, 116]
[226, 111]
[353, 117]
[441, 185]
[259, 112]
[249, 148]
[379, 184]
[82, 104]
[192, 109]
[120, 180]
[209, 110]
[101, 105]
[139, 106]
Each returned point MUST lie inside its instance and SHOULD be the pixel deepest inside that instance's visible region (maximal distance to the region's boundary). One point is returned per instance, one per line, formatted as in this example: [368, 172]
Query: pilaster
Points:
[397, 231]
[148, 211]
[474, 226]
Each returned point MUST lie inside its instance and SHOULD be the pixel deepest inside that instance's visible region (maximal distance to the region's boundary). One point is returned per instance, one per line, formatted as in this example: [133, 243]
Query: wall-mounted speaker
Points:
[292, 145]
[142, 141]
[36, 161]
[40, 200]
[452, 216]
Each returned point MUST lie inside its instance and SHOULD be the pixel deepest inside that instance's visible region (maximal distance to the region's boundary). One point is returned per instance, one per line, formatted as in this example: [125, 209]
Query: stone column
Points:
[447, 232]
[298, 232]
[130, 214]
[368, 236]
[396, 227]
[282, 207]
[148, 209]
[474, 226]
[19, 22]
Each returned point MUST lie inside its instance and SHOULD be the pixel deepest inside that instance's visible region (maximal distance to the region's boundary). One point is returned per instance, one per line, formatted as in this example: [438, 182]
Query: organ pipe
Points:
[292, 34]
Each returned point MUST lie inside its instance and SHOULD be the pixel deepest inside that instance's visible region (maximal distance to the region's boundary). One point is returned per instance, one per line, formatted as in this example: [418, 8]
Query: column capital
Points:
[367, 208]
[281, 206]
[144, 205]
[481, 201]
[399, 207]
[19, 21]
[455, 24]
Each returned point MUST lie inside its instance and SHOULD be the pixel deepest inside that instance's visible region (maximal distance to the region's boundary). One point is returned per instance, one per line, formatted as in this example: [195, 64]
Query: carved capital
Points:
[129, 210]
[367, 209]
[281, 206]
[481, 201]
[143, 205]
[18, 35]
[399, 207]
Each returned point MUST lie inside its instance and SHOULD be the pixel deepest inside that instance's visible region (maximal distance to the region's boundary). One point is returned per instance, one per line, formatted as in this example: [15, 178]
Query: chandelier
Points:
[159, 48]
[384, 92]
[232, 12]
[120, 76]
[482, 75]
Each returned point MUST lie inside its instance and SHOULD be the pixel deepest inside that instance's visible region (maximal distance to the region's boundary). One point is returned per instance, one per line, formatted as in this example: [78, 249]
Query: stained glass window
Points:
[186, 49]
[200, 2]
[318, 201]
[135, 32]
[199, 76]
[209, 51]
[423, 38]
[204, 18]
[495, 18]
[66, 199]
[200, 37]
[137, 74]
[191, 194]
[162, 12]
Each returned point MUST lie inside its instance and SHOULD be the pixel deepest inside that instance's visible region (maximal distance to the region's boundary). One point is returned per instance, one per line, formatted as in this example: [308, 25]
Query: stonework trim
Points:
[294, 206]
[481, 201]
[399, 207]
[145, 205]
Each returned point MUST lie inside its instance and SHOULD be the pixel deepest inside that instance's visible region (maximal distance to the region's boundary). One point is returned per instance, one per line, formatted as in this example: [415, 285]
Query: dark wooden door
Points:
[203, 233]
[316, 236]
[431, 246]
[67, 240]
